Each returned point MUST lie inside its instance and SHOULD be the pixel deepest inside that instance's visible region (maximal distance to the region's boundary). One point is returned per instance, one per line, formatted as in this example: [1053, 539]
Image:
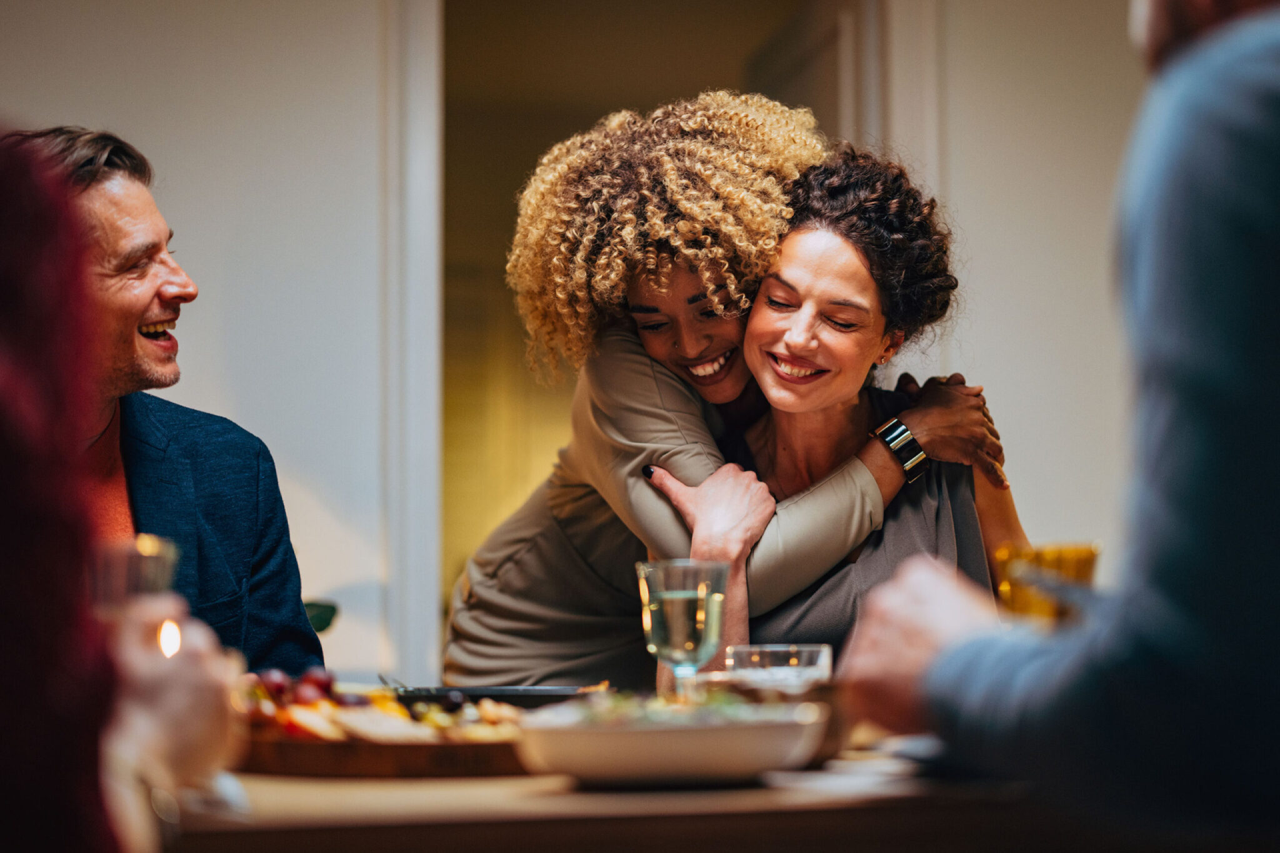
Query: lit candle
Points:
[170, 638]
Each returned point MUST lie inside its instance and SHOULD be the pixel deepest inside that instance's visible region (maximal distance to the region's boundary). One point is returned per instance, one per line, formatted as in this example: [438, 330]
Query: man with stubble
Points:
[156, 467]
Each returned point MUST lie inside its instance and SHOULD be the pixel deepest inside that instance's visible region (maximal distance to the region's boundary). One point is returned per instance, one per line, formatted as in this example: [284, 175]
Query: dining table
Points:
[862, 801]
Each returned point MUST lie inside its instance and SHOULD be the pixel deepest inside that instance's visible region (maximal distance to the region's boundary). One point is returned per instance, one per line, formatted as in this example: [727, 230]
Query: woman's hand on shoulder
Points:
[952, 423]
[726, 514]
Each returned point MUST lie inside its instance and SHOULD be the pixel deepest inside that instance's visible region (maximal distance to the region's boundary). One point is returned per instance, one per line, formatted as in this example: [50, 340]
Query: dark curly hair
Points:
[873, 204]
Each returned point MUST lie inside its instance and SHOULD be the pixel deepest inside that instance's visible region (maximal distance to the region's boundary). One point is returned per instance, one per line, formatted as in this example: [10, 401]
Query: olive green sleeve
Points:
[811, 532]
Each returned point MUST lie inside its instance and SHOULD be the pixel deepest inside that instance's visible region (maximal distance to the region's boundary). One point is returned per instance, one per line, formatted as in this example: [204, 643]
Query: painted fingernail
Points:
[647, 471]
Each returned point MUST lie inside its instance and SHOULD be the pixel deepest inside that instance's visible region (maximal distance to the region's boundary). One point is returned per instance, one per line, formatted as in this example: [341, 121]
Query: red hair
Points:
[51, 650]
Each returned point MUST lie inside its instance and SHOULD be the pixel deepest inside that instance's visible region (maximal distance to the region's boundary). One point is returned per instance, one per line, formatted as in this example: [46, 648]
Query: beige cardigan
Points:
[551, 596]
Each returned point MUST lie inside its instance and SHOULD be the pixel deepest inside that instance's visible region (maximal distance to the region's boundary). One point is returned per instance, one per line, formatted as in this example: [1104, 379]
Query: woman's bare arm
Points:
[997, 517]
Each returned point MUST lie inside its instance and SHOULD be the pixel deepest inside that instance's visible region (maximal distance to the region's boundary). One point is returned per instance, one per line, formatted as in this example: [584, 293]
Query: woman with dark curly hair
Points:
[863, 270]
[637, 245]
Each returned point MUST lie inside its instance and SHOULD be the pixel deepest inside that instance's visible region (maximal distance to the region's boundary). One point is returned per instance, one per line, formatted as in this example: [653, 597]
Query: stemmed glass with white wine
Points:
[683, 603]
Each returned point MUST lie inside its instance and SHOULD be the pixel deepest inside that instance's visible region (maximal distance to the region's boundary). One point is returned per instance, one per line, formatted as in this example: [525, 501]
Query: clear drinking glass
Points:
[1040, 582]
[129, 567]
[787, 668]
[682, 605]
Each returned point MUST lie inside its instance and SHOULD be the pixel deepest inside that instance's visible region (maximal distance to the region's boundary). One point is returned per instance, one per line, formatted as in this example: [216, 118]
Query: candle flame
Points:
[170, 638]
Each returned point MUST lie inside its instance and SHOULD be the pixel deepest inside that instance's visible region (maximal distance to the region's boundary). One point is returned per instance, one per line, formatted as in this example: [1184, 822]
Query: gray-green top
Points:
[934, 515]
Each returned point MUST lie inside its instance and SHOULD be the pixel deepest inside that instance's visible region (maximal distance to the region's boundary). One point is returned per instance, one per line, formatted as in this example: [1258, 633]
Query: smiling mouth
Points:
[711, 369]
[794, 371]
[157, 331]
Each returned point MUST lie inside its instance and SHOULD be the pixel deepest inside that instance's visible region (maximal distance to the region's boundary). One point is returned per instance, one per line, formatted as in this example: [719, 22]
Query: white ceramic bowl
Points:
[783, 737]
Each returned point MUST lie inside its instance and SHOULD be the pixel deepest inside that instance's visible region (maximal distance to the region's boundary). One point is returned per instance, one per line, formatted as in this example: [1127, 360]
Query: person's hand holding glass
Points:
[174, 725]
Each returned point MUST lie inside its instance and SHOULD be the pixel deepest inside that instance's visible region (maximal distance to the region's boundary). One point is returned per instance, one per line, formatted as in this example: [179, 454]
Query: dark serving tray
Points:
[521, 697]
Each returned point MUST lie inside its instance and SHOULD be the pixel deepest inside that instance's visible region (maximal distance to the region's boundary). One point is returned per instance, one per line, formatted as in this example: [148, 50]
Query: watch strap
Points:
[904, 446]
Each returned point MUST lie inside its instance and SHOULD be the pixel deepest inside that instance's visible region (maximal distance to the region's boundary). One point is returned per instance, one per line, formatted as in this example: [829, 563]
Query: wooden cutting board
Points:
[278, 755]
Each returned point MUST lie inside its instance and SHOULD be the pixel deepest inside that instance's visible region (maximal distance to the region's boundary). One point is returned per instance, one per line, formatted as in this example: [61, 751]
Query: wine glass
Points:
[682, 605]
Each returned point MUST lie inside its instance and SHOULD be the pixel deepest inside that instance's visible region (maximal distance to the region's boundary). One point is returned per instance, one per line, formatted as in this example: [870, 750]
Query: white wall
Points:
[1037, 101]
[267, 125]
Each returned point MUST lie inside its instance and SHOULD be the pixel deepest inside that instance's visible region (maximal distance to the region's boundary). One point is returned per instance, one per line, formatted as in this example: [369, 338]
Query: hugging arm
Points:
[630, 412]
[727, 514]
[997, 518]
[952, 423]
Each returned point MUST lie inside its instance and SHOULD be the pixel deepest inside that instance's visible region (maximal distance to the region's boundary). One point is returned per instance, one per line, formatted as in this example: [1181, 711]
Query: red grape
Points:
[452, 701]
[307, 693]
[278, 684]
[320, 677]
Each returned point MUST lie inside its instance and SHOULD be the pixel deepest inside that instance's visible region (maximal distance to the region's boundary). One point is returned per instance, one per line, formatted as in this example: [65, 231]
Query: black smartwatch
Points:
[904, 446]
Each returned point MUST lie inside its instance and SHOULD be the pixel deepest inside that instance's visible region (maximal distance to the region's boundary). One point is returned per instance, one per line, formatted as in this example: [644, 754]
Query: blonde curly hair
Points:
[700, 182]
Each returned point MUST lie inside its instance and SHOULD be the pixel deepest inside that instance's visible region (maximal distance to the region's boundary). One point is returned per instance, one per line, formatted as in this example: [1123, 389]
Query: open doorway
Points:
[520, 77]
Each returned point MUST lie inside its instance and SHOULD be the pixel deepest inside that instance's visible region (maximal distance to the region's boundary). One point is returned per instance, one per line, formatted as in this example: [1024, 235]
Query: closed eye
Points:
[651, 327]
[844, 327]
[774, 303]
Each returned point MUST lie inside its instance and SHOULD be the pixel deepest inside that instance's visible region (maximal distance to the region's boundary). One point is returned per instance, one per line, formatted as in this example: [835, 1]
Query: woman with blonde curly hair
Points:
[638, 246]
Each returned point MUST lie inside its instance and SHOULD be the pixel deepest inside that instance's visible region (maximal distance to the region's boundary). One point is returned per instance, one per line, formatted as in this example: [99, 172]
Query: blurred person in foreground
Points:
[154, 466]
[99, 724]
[1164, 705]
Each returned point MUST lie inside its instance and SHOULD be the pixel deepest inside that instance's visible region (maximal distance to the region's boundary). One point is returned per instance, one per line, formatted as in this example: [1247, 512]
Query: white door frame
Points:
[413, 305]
[872, 72]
